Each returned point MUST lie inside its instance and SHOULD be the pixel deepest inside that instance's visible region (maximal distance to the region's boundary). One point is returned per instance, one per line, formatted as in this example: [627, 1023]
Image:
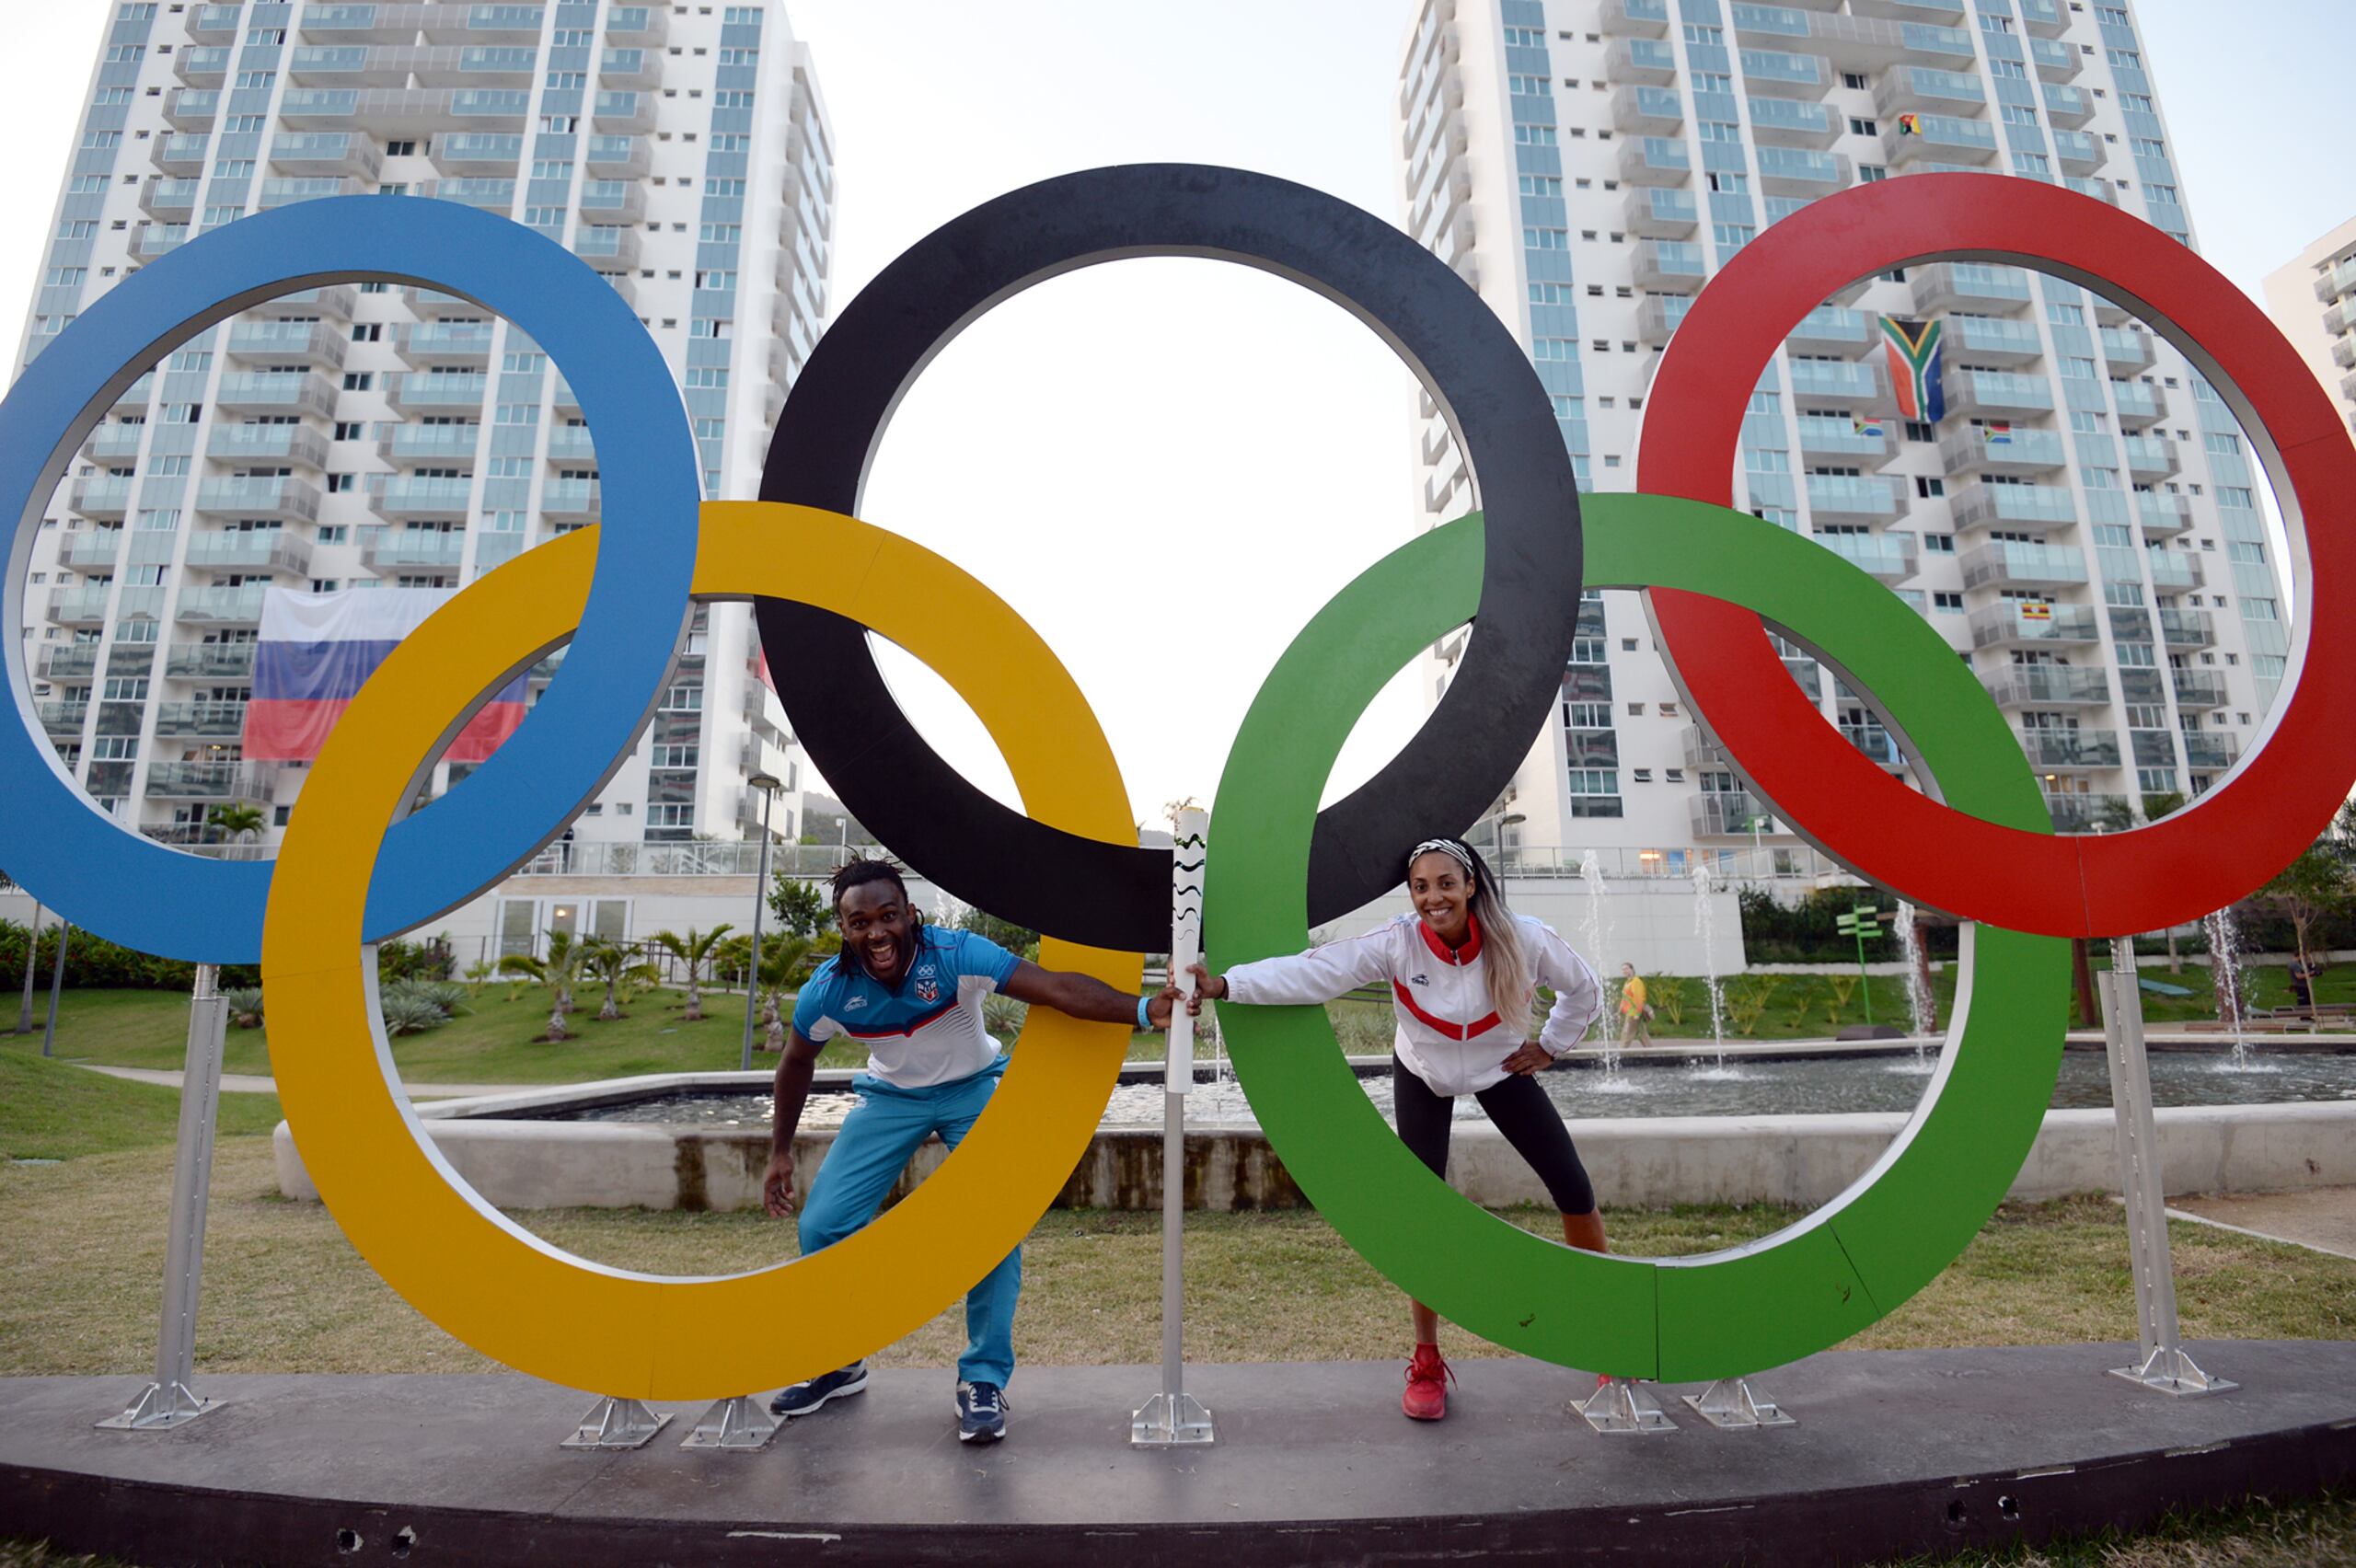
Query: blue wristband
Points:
[1145, 1014]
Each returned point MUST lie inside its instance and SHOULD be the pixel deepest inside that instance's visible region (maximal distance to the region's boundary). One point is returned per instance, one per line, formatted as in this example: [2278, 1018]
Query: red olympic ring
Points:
[2255, 820]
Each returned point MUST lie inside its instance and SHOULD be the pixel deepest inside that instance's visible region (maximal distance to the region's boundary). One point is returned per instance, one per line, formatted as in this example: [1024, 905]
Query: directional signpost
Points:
[1860, 922]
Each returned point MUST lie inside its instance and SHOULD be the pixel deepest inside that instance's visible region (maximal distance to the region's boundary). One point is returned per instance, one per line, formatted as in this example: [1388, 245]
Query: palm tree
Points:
[782, 961]
[612, 964]
[692, 950]
[238, 822]
[561, 971]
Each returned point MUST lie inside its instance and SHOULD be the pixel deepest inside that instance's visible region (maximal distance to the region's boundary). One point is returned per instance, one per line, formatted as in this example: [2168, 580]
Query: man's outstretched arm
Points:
[1083, 995]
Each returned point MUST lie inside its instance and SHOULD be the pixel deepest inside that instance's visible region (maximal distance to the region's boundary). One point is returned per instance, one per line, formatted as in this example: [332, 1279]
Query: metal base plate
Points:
[614, 1424]
[1730, 1405]
[742, 1425]
[1620, 1406]
[1171, 1421]
[2174, 1372]
[160, 1409]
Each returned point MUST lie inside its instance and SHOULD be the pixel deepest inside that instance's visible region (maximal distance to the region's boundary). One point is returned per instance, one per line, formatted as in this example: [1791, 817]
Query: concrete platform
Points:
[1897, 1454]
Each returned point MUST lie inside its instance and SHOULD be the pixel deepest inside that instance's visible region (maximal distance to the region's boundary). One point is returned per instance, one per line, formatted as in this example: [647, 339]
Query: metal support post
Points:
[1621, 1407]
[167, 1402]
[1174, 1417]
[768, 786]
[57, 989]
[742, 1425]
[1731, 1406]
[616, 1424]
[2162, 1362]
[32, 948]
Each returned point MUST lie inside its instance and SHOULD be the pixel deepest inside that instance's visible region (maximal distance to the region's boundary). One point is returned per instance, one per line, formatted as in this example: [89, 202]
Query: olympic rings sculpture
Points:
[353, 868]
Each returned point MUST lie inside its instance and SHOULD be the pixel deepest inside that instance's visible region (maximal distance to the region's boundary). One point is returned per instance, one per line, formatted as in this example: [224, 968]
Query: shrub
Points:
[244, 1006]
[407, 1012]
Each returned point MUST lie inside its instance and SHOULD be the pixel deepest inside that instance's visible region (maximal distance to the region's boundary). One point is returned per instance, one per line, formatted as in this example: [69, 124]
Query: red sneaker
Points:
[1428, 1380]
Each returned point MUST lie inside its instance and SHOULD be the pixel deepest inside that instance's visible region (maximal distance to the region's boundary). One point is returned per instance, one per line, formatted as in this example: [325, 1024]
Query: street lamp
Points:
[769, 786]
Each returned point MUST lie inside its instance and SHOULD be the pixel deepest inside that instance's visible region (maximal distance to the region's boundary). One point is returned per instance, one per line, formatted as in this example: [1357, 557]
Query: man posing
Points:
[913, 993]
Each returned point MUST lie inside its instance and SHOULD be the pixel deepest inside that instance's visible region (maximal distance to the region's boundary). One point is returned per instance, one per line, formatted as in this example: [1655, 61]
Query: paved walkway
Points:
[2321, 1217]
[255, 1083]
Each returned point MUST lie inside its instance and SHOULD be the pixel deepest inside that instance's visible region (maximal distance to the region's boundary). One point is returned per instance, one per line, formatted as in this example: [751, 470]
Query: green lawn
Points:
[52, 1111]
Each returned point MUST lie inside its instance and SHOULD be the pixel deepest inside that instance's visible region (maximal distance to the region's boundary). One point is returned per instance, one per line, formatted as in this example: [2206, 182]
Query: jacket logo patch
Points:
[853, 1004]
[928, 990]
[1419, 980]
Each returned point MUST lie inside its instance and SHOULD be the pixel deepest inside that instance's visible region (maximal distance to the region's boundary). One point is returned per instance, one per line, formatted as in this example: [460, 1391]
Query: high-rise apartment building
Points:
[366, 436]
[2313, 301]
[2081, 525]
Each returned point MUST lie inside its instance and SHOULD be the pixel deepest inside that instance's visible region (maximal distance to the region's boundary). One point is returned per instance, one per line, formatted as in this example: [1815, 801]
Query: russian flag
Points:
[315, 649]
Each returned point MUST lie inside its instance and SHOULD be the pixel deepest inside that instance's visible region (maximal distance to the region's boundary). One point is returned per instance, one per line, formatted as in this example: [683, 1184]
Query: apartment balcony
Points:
[2054, 61]
[1657, 211]
[570, 501]
[2198, 688]
[646, 25]
[348, 65]
[432, 304]
[630, 69]
[64, 718]
[437, 392]
[442, 343]
[1831, 329]
[1728, 813]
[1794, 123]
[2126, 350]
[90, 549]
[1657, 316]
[2076, 751]
[1824, 439]
[1636, 18]
[2210, 751]
[1655, 160]
[1939, 12]
[114, 443]
[1888, 557]
[2043, 17]
[1648, 111]
[1877, 744]
[2340, 280]
[475, 152]
[84, 604]
[419, 498]
[2140, 404]
[623, 114]
[214, 24]
[414, 444]
[379, 22]
[2036, 508]
[1995, 340]
[609, 243]
[1943, 138]
[279, 499]
[2067, 107]
[2175, 570]
[1701, 748]
[252, 782]
[1947, 286]
[2018, 623]
[2078, 811]
[2151, 457]
[314, 343]
[135, 397]
[101, 495]
[2187, 629]
[159, 239]
[393, 550]
[1997, 394]
[276, 392]
[1856, 43]
[1926, 91]
[1841, 383]
[238, 605]
[1670, 266]
[613, 201]
[2048, 685]
[2077, 152]
[618, 157]
[2100, 189]
[1848, 498]
[2005, 563]
[2161, 515]
[231, 662]
[69, 661]
[478, 67]
[206, 66]
[491, 195]
[571, 445]
[181, 153]
[334, 299]
[168, 200]
[327, 155]
[1795, 171]
[2021, 450]
[1774, 73]
[248, 550]
[294, 443]
[217, 720]
[311, 187]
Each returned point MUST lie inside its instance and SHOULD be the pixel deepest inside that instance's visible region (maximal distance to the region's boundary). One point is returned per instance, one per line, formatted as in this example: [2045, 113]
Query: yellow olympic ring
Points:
[484, 1278]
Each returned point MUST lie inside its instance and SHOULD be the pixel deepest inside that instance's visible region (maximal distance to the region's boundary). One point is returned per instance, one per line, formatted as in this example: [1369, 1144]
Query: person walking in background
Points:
[1635, 1011]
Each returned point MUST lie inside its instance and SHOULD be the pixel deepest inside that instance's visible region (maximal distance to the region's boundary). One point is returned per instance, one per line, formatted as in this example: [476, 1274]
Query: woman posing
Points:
[1463, 972]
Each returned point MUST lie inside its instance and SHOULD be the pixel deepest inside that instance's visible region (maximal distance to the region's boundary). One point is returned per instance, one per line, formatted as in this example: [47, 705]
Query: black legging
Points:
[1522, 1112]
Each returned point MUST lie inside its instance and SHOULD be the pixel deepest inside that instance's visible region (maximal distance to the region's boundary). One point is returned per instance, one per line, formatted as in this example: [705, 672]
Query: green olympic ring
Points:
[1724, 1314]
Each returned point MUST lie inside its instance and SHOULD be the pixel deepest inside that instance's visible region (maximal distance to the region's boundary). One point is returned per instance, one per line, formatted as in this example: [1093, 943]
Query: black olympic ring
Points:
[1113, 895]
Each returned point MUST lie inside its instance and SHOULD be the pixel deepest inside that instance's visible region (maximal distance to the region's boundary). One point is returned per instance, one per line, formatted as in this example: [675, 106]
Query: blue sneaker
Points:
[981, 1413]
[803, 1397]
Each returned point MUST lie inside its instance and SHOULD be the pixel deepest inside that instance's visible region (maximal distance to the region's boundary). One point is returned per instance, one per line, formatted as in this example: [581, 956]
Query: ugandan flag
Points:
[1915, 372]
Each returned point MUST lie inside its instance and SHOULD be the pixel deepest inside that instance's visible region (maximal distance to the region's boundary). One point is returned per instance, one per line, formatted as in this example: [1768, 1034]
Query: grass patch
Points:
[53, 1111]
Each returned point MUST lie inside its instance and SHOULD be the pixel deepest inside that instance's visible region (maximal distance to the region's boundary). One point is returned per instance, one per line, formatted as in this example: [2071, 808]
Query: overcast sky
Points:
[1168, 465]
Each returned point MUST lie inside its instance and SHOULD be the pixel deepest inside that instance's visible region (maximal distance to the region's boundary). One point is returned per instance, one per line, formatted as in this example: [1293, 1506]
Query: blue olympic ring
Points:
[127, 889]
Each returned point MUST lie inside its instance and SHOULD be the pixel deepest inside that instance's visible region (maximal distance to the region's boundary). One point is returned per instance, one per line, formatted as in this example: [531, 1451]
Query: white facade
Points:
[365, 436]
[2083, 526]
[2313, 300]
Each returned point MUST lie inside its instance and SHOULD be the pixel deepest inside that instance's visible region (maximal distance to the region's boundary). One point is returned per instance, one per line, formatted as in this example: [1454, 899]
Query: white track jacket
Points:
[1448, 1033]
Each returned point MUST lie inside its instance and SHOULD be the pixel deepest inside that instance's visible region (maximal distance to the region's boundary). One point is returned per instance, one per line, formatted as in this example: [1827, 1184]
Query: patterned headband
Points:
[1447, 847]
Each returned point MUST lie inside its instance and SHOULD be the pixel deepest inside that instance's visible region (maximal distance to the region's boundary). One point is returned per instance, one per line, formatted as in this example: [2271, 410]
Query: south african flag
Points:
[1914, 351]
